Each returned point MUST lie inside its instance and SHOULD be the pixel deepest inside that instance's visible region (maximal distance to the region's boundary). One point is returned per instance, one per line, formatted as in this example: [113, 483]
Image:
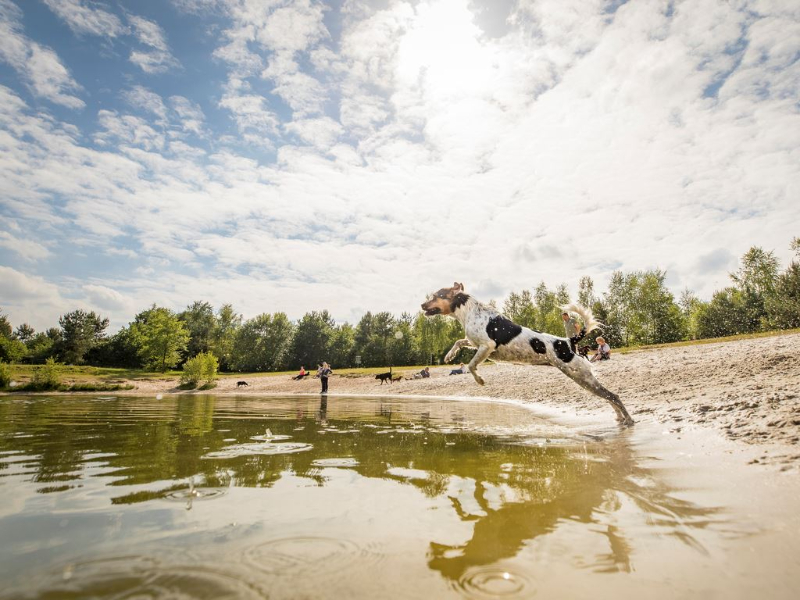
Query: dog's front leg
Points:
[465, 343]
[481, 355]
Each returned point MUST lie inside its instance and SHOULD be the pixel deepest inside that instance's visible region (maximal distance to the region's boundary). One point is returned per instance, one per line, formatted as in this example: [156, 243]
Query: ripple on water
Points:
[311, 556]
[268, 437]
[198, 493]
[141, 577]
[335, 462]
[494, 582]
[259, 449]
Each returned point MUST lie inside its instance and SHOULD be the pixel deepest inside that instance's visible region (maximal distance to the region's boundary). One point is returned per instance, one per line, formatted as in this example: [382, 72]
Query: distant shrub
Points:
[5, 375]
[46, 377]
[202, 367]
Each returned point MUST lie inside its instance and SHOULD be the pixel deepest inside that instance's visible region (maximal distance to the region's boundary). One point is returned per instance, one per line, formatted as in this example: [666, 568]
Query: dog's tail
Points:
[589, 323]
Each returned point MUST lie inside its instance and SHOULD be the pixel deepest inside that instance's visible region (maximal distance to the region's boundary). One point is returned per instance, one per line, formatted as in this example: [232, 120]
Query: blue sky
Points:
[354, 155]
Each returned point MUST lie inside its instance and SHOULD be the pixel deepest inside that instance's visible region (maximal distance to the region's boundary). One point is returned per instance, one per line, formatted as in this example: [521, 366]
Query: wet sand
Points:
[746, 390]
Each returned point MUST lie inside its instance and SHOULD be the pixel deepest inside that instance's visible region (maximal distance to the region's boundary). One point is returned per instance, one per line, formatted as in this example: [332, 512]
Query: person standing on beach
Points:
[570, 325]
[323, 374]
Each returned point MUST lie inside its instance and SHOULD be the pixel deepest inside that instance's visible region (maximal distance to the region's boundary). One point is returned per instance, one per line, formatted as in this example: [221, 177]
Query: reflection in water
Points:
[476, 484]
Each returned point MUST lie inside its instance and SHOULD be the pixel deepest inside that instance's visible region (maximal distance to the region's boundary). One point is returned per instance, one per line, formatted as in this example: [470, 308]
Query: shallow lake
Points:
[212, 497]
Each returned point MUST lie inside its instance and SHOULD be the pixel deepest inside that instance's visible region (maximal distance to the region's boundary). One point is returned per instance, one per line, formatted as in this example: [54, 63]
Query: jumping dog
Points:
[493, 334]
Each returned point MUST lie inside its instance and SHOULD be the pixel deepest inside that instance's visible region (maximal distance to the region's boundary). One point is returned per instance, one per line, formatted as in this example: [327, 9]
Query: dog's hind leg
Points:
[481, 355]
[581, 373]
[465, 343]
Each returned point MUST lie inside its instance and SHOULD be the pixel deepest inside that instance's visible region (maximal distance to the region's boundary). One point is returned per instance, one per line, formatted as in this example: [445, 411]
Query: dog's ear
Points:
[458, 286]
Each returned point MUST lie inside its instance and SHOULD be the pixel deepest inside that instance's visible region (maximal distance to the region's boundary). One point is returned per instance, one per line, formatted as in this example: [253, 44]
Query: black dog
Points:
[241, 383]
[385, 376]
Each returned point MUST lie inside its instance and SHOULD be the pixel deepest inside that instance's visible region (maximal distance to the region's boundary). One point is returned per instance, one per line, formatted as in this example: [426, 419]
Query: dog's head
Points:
[443, 302]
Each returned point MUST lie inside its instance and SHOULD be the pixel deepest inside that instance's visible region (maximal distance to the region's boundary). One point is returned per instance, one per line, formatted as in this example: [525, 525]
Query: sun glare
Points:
[443, 46]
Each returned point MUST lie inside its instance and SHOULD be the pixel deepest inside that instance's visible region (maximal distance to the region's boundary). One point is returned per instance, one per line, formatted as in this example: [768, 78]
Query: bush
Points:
[5, 375]
[202, 367]
[46, 377]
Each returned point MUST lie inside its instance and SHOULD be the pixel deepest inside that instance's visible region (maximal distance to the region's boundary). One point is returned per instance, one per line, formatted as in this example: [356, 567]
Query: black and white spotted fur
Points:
[496, 336]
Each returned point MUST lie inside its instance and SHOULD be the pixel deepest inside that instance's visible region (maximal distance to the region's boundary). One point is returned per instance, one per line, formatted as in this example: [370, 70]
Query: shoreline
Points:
[746, 390]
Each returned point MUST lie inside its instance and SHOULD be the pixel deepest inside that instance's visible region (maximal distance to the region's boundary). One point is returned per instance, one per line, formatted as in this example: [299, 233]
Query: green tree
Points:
[47, 377]
[80, 331]
[691, 308]
[227, 324]
[434, 336]
[160, 338]
[40, 347]
[262, 343]
[639, 309]
[586, 295]
[5, 375]
[403, 349]
[755, 278]
[783, 305]
[12, 350]
[521, 309]
[548, 308]
[312, 339]
[372, 338]
[120, 350]
[200, 322]
[729, 313]
[5, 326]
[342, 346]
[24, 333]
[202, 367]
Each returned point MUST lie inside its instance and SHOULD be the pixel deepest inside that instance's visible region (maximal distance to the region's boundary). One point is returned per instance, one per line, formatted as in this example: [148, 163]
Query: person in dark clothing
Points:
[323, 373]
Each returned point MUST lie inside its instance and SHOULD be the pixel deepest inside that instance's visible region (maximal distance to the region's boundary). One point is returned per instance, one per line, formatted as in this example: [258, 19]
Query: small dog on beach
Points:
[505, 341]
[241, 383]
[384, 377]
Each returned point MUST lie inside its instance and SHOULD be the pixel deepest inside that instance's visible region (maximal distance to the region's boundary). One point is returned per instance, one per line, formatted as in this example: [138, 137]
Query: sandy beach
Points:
[747, 390]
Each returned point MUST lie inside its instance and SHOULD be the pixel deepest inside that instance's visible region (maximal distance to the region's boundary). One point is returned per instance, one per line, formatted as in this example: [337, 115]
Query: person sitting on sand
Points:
[603, 350]
[301, 374]
[423, 374]
[458, 371]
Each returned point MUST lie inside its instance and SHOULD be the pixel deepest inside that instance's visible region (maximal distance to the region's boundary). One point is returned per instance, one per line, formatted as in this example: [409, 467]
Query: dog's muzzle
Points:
[429, 312]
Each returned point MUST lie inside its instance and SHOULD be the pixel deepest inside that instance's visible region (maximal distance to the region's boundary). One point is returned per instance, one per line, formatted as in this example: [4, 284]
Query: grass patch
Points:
[75, 387]
[96, 387]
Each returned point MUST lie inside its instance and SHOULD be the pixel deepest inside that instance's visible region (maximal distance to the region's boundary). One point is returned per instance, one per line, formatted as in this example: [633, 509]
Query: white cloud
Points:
[321, 132]
[255, 121]
[26, 248]
[146, 100]
[85, 18]
[127, 129]
[41, 68]
[106, 298]
[30, 299]
[190, 114]
[158, 59]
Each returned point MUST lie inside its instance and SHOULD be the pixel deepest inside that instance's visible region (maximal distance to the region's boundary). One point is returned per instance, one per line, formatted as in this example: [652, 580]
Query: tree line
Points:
[637, 309]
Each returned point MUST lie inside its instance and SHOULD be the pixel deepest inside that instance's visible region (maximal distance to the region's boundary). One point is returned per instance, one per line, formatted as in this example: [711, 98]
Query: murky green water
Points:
[295, 498]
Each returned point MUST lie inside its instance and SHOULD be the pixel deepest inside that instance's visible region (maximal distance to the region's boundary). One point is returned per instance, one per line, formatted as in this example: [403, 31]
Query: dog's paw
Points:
[625, 421]
[479, 380]
[449, 357]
